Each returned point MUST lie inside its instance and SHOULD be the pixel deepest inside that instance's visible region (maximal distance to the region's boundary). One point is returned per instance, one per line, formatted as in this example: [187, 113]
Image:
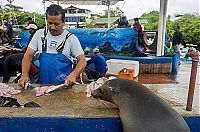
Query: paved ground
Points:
[176, 93]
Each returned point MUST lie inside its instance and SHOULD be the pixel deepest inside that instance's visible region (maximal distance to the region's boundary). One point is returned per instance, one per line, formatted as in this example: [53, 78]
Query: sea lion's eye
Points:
[100, 91]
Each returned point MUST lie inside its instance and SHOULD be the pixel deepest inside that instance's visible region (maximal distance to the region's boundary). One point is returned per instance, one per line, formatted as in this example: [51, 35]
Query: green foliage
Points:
[91, 25]
[152, 18]
[190, 25]
[113, 13]
[20, 17]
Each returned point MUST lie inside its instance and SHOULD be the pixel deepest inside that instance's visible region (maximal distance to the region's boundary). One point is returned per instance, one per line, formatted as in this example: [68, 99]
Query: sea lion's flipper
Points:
[32, 104]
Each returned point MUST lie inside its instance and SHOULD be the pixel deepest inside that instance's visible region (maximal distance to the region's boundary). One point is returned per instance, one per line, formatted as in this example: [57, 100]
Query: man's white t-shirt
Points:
[71, 49]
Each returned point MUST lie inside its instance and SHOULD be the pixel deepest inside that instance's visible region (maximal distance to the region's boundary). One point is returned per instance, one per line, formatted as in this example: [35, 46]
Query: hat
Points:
[95, 50]
[87, 49]
[33, 26]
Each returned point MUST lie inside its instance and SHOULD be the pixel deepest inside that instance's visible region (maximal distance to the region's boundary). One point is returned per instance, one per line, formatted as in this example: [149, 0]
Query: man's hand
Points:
[23, 81]
[71, 79]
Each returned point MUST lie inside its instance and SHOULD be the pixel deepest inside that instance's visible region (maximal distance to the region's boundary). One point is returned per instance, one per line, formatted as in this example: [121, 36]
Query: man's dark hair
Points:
[177, 26]
[55, 10]
[136, 19]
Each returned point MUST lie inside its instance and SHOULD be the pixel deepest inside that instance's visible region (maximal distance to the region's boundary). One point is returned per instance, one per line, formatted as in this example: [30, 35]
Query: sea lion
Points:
[140, 109]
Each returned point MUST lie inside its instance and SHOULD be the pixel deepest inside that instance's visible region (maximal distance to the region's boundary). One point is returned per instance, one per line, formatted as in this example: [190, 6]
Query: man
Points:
[24, 38]
[142, 38]
[138, 26]
[9, 28]
[30, 21]
[4, 37]
[177, 39]
[32, 29]
[56, 47]
[122, 22]
[96, 66]
[13, 62]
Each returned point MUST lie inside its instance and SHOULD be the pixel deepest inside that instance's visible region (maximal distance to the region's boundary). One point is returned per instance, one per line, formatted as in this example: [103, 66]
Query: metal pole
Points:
[195, 61]
[108, 16]
[45, 19]
[107, 3]
[161, 27]
[34, 16]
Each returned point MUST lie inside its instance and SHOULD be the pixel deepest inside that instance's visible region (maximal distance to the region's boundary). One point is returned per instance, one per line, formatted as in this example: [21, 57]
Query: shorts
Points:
[176, 48]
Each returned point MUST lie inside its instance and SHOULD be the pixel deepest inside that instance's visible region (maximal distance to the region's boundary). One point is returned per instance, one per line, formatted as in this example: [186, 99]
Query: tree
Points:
[113, 13]
[20, 17]
[190, 25]
[152, 18]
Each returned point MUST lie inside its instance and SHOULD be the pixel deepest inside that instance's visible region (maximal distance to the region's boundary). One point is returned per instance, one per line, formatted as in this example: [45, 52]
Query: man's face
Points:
[55, 24]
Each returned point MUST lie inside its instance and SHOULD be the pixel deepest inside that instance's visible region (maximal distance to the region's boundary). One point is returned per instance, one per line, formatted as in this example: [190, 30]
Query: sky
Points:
[131, 8]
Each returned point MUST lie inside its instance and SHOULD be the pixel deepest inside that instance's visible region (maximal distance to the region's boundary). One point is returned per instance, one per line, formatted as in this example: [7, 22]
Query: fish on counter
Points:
[39, 91]
[7, 91]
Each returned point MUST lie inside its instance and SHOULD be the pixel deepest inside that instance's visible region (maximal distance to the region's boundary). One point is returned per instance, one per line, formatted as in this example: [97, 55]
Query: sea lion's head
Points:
[107, 91]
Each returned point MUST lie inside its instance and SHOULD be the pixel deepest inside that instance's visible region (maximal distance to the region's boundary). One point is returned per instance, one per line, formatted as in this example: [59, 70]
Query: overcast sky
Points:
[132, 8]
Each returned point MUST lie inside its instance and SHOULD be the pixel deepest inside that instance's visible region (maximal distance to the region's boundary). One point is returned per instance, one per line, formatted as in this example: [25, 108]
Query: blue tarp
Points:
[97, 37]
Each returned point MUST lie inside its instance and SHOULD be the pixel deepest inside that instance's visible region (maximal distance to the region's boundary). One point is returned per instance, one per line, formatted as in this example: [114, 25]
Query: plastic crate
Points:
[126, 74]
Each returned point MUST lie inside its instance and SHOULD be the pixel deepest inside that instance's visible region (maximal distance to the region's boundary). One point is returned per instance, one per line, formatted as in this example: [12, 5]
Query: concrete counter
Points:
[70, 102]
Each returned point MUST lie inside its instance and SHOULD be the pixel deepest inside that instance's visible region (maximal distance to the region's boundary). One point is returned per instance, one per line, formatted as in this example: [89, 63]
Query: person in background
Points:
[9, 29]
[96, 66]
[24, 38]
[176, 40]
[142, 38]
[122, 22]
[86, 50]
[56, 47]
[32, 29]
[12, 63]
[30, 21]
[4, 37]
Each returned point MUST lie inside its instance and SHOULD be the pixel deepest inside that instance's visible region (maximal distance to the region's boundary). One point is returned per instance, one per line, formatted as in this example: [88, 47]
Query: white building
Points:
[76, 17]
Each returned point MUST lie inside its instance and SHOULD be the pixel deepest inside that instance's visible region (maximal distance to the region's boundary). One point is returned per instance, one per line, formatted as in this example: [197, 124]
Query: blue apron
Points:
[54, 68]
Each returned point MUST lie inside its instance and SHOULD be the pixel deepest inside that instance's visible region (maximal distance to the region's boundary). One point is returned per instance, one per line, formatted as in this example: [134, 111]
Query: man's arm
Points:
[26, 64]
[71, 79]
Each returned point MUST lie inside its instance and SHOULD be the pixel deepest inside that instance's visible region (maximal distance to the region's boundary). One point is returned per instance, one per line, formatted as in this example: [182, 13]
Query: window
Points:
[71, 11]
[72, 19]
